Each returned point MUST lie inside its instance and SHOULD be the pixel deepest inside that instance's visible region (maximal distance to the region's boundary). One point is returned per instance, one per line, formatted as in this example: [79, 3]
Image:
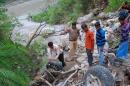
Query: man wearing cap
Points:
[100, 41]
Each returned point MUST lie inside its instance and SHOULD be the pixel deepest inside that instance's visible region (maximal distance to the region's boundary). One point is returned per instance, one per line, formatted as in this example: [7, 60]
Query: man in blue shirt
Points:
[100, 41]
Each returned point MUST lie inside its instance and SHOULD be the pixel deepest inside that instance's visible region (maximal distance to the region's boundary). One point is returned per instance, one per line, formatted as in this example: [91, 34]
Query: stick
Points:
[70, 77]
[48, 83]
[51, 74]
[62, 74]
[29, 42]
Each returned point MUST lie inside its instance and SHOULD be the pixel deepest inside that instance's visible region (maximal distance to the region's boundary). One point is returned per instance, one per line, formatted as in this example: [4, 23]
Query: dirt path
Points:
[22, 7]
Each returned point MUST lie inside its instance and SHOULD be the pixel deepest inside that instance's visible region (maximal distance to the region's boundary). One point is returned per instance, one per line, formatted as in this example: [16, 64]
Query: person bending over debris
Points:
[89, 43]
[100, 41]
[122, 50]
[73, 36]
[55, 53]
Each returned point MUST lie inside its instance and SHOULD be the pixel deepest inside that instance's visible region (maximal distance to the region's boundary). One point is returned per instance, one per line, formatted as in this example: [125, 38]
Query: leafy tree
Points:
[16, 62]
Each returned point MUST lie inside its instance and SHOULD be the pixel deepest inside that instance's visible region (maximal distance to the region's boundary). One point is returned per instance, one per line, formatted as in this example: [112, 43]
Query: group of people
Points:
[55, 52]
[89, 42]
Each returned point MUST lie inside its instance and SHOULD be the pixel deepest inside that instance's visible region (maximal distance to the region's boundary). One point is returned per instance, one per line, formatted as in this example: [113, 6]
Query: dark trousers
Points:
[90, 57]
[61, 59]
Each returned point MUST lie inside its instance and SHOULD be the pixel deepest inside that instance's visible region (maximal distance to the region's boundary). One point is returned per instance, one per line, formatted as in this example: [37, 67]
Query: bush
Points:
[114, 5]
[64, 11]
[10, 78]
[2, 1]
[16, 63]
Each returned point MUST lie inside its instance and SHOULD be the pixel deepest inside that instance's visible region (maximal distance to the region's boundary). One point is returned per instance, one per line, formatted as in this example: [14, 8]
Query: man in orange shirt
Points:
[89, 43]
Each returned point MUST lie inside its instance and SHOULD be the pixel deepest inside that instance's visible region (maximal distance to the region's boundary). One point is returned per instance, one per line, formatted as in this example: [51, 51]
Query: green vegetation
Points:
[114, 5]
[69, 10]
[2, 1]
[38, 46]
[63, 11]
[16, 62]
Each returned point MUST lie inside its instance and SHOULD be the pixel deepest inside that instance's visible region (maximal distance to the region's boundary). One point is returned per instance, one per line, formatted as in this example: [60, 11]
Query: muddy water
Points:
[22, 7]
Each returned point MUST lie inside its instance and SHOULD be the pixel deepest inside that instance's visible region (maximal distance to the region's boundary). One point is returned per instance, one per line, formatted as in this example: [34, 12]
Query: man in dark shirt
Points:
[122, 51]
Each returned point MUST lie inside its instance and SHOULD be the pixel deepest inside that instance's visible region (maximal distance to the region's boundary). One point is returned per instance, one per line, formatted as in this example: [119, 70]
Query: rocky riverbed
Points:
[22, 33]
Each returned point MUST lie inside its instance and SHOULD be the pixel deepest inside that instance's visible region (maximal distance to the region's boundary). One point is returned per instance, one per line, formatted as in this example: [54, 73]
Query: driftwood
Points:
[34, 35]
[51, 74]
[49, 84]
[69, 77]
[65, 74]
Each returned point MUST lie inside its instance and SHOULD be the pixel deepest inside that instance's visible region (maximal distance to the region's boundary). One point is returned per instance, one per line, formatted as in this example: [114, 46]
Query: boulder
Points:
[85, 18]
[112, 14]
[102, 15]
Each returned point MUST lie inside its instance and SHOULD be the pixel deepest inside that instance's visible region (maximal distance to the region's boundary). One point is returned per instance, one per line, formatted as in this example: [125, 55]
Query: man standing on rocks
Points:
[55, 53]
[100, 41]
[89, 43]
[122, 51]
[73, 36]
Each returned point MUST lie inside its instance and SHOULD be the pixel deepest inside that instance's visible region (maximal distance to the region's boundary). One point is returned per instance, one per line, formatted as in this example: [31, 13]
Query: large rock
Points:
[112, 14]
[102, 15]
[85, 18]
[83, 57]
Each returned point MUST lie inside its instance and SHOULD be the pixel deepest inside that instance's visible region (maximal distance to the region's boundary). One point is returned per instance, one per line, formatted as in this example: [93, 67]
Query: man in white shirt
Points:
[55, 53]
